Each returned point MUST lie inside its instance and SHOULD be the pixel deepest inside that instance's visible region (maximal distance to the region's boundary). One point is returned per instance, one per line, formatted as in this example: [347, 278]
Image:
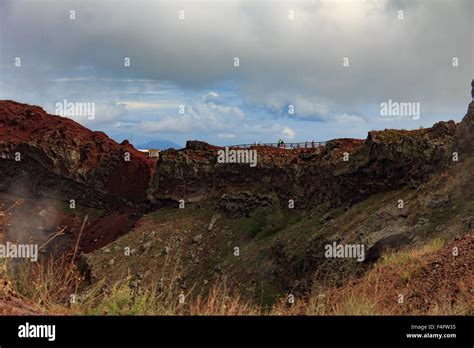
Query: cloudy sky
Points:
[331, 62]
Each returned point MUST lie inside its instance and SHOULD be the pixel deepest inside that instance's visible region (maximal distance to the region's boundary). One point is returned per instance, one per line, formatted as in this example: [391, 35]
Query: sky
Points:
[307, 70]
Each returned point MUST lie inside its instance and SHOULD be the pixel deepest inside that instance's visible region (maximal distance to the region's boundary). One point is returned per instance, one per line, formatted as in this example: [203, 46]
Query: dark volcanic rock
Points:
[394, 242]
[197, 145]
[242, 204]
[384, 161]
[464, 138]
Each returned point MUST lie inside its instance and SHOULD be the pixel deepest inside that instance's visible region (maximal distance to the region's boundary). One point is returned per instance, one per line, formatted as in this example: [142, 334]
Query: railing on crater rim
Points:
[287, 146]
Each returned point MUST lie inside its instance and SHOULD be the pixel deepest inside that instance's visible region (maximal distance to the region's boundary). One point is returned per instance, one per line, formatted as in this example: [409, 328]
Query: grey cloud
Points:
[282, 61]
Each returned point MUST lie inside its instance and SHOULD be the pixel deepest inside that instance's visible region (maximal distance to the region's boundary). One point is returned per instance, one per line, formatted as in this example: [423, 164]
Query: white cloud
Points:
[348, 119]
[106, 113]
[304, 107]
[288, 133]
[226, 135]
[134, 105]
[202, 115]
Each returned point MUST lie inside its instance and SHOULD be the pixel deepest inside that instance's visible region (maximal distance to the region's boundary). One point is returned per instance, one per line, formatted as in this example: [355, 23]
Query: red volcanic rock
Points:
[65, 148]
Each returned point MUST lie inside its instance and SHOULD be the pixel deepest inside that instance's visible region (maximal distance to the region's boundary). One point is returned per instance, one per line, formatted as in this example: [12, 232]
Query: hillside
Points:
[188, 220]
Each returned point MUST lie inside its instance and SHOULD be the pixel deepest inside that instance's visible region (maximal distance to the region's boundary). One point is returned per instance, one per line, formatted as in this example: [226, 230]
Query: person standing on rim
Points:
[472, 89]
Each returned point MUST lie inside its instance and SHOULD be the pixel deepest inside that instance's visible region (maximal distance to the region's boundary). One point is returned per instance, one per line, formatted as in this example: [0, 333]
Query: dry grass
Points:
[50, 284]
[165, 297]
[376, 293]
[47, 284]
[220, 301]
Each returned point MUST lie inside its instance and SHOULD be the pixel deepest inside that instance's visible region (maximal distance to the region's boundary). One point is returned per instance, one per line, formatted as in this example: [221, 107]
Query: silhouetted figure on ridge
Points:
[472, 89]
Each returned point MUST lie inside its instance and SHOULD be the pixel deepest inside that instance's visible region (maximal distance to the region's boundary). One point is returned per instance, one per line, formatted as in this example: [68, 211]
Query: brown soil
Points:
[433, 284]
[444, 274]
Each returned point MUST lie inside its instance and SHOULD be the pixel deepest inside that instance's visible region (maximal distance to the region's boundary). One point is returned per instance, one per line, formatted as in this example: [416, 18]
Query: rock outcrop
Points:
[59, 155]
[464, 138]
[55, 156]
[343, 171]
